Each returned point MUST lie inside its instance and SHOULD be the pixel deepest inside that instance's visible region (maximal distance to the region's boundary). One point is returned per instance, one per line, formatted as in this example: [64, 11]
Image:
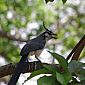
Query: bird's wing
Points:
[32, 46]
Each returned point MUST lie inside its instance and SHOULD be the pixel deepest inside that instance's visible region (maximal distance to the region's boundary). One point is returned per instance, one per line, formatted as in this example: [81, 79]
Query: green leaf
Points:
[64, 1]
[63, 63]
[77, 68]
[63, 78]
[81, 77]
[67, 76]
[81, 71]
[76, 84]
[83, 82]
[82, 64]
[74, 66]
[60, 78]
[51, 68]
[37, 72]
[46, 80]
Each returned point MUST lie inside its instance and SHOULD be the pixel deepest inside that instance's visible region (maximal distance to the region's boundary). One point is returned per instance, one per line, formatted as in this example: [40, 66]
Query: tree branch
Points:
[10, 37]
[77, 50]
[28, 67]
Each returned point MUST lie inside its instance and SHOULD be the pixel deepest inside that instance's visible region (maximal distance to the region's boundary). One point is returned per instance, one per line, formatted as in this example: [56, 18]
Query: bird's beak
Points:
[54, 36]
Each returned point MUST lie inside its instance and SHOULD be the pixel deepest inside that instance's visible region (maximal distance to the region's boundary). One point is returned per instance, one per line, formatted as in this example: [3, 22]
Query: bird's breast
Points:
[36, 53]
[32, 53]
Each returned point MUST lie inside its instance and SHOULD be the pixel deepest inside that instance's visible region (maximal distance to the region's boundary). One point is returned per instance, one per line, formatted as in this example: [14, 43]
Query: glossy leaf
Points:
[74, 66]
[60, 78]
[51, 68]
[63, 63]
[47, 80]
[37, 72]
[63, 78]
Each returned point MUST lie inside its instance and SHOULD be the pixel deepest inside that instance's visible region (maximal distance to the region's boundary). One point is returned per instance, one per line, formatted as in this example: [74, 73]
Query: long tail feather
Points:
[17, 71]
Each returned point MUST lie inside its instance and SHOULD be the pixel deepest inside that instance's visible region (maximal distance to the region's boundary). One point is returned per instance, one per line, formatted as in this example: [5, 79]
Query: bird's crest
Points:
[45, 27]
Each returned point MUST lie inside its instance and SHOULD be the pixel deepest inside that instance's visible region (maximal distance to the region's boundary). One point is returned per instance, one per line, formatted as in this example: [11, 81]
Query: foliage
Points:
[66, 75]
[22, 19]
[16, 16]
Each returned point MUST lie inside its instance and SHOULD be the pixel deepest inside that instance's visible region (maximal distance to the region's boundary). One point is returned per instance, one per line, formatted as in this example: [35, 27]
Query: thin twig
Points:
[10, 37]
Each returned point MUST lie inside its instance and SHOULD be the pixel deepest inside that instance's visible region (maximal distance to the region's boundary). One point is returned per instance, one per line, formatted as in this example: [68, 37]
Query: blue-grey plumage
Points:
[33, 47]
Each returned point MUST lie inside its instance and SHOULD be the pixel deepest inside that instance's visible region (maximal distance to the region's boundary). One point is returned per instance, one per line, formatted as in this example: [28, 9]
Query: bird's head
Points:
[48, 34]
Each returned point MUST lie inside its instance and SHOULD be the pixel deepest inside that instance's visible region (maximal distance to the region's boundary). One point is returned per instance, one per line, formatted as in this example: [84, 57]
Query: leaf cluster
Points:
[72, 73]
[17, 15]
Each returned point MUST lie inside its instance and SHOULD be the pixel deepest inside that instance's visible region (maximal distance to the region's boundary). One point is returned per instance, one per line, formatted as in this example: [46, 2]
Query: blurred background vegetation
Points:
[21, 20]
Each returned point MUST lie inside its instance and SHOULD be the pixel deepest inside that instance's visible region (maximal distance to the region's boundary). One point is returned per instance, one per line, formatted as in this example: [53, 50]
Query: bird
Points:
[32, 47]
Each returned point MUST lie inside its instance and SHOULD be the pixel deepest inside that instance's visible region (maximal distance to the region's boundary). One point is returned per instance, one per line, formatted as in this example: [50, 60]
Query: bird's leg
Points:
[37, 58]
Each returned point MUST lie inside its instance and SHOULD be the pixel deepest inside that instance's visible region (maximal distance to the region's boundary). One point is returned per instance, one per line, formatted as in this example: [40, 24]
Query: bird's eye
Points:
[50, 32]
